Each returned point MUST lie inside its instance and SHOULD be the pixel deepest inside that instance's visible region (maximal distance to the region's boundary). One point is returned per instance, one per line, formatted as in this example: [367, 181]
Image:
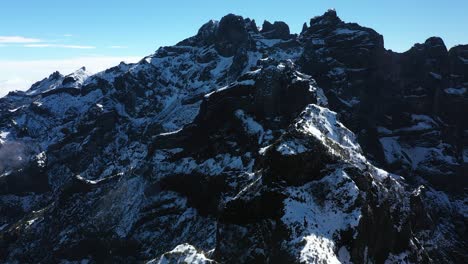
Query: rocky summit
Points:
[243, 144]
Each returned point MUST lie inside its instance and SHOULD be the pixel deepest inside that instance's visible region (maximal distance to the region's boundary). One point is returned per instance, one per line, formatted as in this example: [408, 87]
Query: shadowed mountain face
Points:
[243, 145]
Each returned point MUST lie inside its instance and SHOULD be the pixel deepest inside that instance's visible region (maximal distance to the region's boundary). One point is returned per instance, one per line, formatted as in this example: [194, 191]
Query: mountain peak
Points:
[277, 30]
[331, 13]
[209, 28]
[434, 41]
[240, 142]
[328, 18]
[432, 45]
[55, 75]
[232, 28]
[76, 79]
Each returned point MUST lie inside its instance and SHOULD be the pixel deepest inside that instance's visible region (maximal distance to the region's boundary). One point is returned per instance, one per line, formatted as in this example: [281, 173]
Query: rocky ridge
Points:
[243, 144]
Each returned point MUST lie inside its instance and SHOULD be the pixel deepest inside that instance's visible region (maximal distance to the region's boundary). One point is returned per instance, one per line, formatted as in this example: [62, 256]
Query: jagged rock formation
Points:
[243, 145]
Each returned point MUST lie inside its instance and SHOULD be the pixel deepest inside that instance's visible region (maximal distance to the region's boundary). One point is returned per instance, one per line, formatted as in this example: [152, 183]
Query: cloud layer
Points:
[45, 45]
[39, 43]
[20, 75]
[18, 39]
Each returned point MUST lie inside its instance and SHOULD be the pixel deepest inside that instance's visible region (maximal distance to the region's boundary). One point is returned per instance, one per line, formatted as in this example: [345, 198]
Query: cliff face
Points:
[243, 145]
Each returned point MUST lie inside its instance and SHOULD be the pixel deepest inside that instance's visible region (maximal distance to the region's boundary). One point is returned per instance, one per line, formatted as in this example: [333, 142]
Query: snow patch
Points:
[392, 149]
[436, 75]
[317, 212]
[345, 31]
[291, 148]
[184, 253]
[322, 123]
[251, 126]
[455, 91]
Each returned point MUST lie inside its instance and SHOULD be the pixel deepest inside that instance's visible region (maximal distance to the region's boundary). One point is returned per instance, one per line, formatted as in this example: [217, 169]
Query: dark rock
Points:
[224, 141]
[231, 34]
[304, 28]
[26, 177]
[278, 30]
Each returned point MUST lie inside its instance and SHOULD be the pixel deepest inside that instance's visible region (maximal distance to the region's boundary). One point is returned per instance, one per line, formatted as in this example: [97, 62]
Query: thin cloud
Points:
[20, 75]
[68, 35]
[45, 45]
[18, 39]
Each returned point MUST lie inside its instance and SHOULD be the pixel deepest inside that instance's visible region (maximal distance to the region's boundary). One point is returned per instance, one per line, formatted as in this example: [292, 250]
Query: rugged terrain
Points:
[243, 144]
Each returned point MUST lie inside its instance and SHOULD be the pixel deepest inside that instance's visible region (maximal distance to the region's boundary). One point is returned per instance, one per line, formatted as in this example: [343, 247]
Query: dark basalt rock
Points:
[304, 28]
[458, 57]
[231, 34]
[232, 28]
[27, 177]
[54, 76]
[299, 169]
[224, 141]
[277, 30]
[327, 21]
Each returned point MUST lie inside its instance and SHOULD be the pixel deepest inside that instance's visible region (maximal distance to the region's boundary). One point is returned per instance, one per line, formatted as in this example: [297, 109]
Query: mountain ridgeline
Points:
[243, 144]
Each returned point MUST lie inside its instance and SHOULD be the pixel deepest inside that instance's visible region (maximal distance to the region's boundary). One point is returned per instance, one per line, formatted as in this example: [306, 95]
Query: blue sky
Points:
[61, 35]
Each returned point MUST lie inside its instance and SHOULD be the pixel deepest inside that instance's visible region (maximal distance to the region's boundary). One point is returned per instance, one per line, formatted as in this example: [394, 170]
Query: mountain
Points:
[243, 144]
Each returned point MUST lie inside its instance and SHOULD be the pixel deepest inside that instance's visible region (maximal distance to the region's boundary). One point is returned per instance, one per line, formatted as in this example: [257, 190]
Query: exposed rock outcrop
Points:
[241, 145]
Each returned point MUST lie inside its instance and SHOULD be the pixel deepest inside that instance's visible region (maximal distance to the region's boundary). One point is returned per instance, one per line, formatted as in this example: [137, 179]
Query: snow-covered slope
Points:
[243, 145]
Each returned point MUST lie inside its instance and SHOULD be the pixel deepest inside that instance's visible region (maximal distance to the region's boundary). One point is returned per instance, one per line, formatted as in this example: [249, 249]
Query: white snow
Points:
[3, 227]
[100, 106]
[184, 253]
[416, 156]
[41, 159]
[384, 130]
[120, 207]
[423, 122]
[392, 149]
[230, 86]
[46, 85]
[345, 31]
[223, 65]
[322, 100]
[64, 103]
[436, 75]
[4, 134]
[15, 109]
[316, 212]
[31, 221]
[251, 126]
[349, 34]
[323, 124]
[427, 154]
[318, 41]
[213, 166]
[344, 256]
[246, 82]
[337, 72]
[170, 132]
[291, 148]
[354, 101]
[455, 91]
[269, 42]
[401, 258]
[80, 76]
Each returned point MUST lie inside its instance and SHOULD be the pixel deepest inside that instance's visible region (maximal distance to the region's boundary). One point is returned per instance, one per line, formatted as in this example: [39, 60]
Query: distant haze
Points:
[20, 75]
